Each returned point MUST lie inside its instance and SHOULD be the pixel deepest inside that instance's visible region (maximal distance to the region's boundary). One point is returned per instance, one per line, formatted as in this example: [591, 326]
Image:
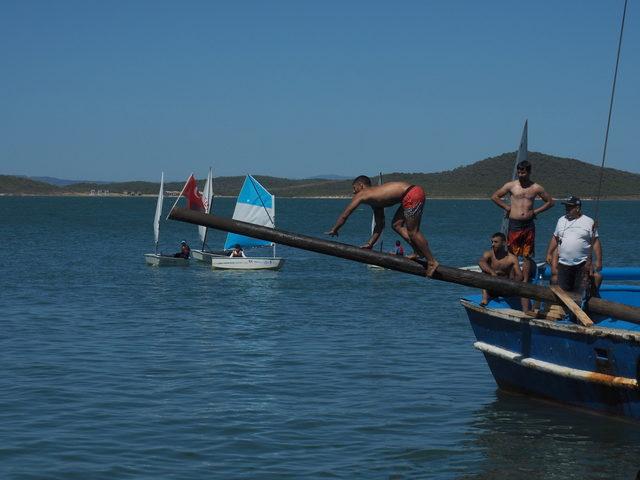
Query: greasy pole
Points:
[498, 285]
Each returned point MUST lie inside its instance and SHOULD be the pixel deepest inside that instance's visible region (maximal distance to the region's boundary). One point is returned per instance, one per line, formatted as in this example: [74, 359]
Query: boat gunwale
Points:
[594, 331]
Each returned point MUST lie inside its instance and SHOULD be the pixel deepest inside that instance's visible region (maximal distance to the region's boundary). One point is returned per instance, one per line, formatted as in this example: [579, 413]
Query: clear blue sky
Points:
[119, 90]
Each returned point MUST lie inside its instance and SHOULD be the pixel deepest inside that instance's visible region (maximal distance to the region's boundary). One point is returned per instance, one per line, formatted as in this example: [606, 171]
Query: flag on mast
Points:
[193, 196]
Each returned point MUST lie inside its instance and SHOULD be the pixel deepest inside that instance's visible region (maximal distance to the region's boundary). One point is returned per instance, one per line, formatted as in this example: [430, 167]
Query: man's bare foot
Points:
[413, 256]
[531, 313]
[432, 266]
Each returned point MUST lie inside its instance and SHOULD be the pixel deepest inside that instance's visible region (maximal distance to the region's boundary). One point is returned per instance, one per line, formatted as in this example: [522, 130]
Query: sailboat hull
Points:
[156, 260]
[250, 263]
[205, 256]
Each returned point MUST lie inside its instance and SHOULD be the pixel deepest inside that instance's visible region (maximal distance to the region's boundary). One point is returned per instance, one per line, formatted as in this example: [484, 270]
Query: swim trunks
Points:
[413, 201]
[522, 237]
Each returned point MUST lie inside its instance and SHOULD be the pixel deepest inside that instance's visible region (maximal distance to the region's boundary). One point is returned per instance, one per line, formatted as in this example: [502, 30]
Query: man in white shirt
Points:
[571, 246]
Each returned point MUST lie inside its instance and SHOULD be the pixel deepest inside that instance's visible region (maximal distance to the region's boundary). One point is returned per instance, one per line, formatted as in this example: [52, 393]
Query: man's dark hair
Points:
[499, 234]
[524, 165]
[362, 179]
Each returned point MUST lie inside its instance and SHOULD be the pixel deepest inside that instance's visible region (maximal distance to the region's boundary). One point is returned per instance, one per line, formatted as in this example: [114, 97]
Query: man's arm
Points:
[378, 215]
[357, 200]
[483, 263]
[498, 194]
[548, 201]
[553, 245]
[597, 250]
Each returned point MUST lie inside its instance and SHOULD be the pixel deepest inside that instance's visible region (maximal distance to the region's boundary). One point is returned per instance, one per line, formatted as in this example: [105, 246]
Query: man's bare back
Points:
[386, 195]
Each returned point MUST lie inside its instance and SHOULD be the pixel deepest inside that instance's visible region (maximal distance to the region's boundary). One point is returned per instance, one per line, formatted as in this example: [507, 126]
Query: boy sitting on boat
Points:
[498, 262]
[406, 221]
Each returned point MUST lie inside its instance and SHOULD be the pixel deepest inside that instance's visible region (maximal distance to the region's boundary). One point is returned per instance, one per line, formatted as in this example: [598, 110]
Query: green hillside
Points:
[560, 176]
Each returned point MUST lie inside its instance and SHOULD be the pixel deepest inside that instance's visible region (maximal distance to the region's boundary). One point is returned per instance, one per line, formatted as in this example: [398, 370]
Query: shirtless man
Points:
[522, 231]
[498, 262]
[406, 221]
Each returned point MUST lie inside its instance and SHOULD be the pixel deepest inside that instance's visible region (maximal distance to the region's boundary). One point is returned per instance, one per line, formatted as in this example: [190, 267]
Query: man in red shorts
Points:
[521, 213]
[406, 221]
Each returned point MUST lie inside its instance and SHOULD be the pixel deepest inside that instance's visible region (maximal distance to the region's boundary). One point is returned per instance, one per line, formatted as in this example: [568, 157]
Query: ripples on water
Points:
[112, 369]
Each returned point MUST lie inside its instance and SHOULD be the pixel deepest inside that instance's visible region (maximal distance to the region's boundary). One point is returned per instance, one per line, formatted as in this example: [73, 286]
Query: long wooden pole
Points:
[498, 285]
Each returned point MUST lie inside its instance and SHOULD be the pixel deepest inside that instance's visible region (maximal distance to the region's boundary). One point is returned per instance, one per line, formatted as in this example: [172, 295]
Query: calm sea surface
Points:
[112, 369]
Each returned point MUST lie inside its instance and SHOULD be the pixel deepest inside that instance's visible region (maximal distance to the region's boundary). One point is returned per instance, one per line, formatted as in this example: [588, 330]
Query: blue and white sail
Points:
[254, 205]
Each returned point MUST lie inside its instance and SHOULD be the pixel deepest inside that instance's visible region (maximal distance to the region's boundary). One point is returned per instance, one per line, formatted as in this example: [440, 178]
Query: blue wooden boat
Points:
[596, 368]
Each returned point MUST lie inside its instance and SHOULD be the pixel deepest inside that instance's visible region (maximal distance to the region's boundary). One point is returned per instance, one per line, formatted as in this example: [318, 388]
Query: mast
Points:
[156, 219]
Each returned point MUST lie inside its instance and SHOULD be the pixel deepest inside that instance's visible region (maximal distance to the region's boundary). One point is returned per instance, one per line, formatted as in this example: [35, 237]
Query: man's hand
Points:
[367, 246]
[333, 232]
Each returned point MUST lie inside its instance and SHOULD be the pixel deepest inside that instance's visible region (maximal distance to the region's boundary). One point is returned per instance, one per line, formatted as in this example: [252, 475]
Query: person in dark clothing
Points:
[185, 251]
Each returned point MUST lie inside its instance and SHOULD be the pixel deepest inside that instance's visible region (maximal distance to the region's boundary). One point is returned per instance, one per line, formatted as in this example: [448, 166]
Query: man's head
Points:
[360, 182]
[237, 246]
[183, 242]
[572, 206]
[397, 243]
[523, 169]
[498, 241]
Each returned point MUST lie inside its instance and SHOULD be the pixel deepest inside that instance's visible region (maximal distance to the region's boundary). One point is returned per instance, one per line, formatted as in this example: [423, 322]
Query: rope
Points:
[588, 280]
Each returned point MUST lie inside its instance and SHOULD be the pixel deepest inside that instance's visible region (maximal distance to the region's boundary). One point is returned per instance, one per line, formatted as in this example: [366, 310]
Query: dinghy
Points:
[157, 259]
[254, 205]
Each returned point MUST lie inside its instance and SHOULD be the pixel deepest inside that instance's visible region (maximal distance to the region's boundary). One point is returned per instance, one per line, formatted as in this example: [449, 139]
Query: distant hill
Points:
[560, 176]
[61, 182]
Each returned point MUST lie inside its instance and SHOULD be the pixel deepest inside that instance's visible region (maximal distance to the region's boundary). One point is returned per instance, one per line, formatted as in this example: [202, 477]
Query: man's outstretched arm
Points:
[357, 199]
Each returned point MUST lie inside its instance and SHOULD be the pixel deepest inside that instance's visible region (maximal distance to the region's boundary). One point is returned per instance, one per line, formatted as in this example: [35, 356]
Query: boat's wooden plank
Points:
[567, 301]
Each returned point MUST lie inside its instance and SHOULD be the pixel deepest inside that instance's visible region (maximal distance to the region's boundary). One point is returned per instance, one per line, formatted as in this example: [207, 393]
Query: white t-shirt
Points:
[574, 239]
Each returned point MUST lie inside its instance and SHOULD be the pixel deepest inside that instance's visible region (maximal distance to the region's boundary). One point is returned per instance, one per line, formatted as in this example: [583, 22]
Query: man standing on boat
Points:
[521, 213]
[406, 221]
[570, 249]
[498, 262]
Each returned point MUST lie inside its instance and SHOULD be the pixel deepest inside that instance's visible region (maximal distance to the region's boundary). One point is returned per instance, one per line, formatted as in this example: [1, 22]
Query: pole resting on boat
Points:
[498, 285]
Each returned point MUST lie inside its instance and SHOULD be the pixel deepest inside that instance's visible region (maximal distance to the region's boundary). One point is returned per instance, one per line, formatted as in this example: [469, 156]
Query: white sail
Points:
[156, 219]
[207, 198]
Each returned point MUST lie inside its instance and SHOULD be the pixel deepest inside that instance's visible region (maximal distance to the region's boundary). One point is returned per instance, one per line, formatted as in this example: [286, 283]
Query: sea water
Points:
[326, 369]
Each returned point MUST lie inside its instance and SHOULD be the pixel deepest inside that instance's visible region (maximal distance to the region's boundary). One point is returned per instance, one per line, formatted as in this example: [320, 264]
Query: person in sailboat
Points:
[185, 251]
[570, 250]
[237, 252]
[406, 221]
[498, 262]
[399, 250]
[521, 212]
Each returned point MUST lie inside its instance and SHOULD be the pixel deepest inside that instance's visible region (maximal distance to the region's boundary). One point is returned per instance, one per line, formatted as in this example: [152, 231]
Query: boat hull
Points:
[249, 263]
[204, 256]
[156, 260]
[593, 368]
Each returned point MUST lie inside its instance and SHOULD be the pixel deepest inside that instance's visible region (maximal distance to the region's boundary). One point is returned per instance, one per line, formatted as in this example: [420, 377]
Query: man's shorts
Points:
[522, 237]
[413, 202]
[571, 277]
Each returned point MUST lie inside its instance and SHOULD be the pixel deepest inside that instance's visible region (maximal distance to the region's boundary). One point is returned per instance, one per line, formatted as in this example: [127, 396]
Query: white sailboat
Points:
[204, 254]
[254, 205]
[156, 259]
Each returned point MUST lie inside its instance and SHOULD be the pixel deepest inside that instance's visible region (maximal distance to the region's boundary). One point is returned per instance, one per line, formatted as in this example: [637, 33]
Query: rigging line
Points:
[613, 92]
[253, 183]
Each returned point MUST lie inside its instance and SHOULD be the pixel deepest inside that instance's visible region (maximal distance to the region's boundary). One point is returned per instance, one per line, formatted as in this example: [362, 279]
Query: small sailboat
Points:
[254, 205]
[157, 259]
[204, 254]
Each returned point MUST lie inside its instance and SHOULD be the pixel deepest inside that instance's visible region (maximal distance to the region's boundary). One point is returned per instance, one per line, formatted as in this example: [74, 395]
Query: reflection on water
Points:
[529, 439]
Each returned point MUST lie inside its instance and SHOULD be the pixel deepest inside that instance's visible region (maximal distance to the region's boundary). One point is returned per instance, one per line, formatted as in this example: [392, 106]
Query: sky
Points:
[123, 90]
